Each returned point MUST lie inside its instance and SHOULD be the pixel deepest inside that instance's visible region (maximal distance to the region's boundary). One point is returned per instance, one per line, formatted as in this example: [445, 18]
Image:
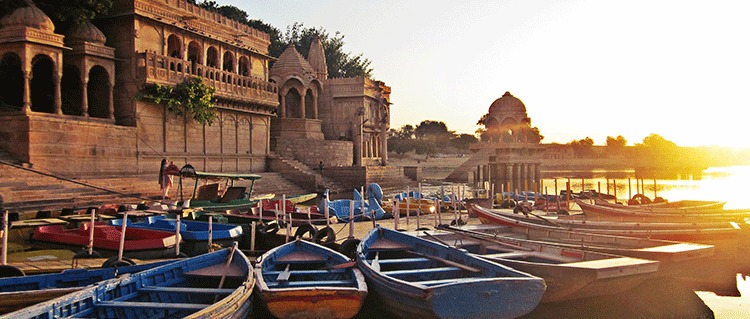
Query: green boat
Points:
[208, 198]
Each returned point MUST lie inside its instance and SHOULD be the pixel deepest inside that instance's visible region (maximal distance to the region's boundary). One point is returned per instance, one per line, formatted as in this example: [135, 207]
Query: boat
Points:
[305, 280]
[302, 198]
[681, 206]
[210, 199]
[600, 211]
[139, 243]
[340, 208]
[213, 285]
[412, 205]
[298, 217]
[24, 291]
[417, 278]
[570, 273]
[194, 234]
[707, 259]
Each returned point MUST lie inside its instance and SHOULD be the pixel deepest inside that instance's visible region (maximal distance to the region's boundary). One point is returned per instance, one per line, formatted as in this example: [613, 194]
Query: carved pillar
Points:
[85, 97]
[282, 106]
[111, 101]
[302, 104]
[26, 92]
[315, 106]
[383, 145]
[57, 100]
[357, 133]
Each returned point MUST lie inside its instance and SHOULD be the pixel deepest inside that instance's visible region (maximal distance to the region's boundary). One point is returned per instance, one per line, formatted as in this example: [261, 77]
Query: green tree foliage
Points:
[616, 142]
[63, 13]
[462, 141]
[340, 63]
[583, 148]
[433, 131]
[191, 98]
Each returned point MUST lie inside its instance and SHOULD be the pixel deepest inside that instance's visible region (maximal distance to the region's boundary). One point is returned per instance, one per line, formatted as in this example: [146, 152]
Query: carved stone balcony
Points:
[164, 70]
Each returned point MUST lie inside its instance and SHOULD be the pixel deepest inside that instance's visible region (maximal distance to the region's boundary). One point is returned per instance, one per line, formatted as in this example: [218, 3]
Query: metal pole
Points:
[351, 219]
[396, 213]
[4, 258]
[210, 232]
[253, 224]
[419, 205]
[408, 206]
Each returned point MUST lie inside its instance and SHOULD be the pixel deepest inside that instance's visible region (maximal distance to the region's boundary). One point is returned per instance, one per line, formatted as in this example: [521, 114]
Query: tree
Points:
[63, 13]
[192, 97]
[583, 148]
[462, 141]
[433, 131]
[616, 142]
[340, 64]
[657, 142]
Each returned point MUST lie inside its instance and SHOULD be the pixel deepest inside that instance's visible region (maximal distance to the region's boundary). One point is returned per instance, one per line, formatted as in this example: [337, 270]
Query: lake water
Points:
[727, 184]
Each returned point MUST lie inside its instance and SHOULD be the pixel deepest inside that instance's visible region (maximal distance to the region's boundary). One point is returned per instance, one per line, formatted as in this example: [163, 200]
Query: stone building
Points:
[509, 157]
[69, 100]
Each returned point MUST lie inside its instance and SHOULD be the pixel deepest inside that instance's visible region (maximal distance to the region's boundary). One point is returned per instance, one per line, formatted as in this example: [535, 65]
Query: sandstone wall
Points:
[311, 152]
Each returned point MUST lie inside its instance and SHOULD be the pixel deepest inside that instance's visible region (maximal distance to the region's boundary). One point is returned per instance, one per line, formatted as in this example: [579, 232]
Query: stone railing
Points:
[162, 69]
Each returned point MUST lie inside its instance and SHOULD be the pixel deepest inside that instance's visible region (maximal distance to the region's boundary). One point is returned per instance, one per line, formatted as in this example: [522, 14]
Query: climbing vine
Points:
[191, 97]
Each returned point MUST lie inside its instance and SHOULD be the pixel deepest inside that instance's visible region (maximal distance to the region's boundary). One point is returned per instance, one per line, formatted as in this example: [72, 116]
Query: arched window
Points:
[42, 84]
[11, 77]
[98, 92]
[228, 62]
[292, 102]
[71, 91]
[243, 68]
[212, 57]
[174, 46]
[194, 55]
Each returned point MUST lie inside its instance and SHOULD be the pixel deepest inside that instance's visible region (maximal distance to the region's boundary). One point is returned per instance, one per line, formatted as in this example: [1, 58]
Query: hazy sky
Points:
[680, 69]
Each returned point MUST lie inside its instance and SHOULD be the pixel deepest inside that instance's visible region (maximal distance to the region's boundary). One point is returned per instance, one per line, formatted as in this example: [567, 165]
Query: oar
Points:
[226, 269]
[491, 238]
[547, 220]
[284, 275]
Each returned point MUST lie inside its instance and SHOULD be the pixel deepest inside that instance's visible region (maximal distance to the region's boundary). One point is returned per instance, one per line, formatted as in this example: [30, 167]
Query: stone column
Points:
[302, 104]
[282, 106]
[26, 92]
[357, 133]
[383, 145]
[315, 106]
[57, 100]
[111, 101]
[509, 177]
[85, 99]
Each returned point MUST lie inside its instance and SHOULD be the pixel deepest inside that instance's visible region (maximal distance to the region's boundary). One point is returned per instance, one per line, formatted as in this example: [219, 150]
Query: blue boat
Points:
[373, 205]
[306, 280]
[194, 234]
[213, 285]
[23, 291]
[416, 278]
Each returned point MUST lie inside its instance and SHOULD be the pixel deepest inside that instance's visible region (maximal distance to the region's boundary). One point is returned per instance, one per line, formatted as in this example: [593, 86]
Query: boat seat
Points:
[436, 281]
[312, 283]
[153, 305]
[387, 244]
[507, 255]
[307, 272]
[300, 257]
[396, 261]
[421, 271]
[189, 290]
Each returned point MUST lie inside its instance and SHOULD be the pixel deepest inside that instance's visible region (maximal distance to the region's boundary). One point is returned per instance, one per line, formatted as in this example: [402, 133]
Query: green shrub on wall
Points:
[192, 97]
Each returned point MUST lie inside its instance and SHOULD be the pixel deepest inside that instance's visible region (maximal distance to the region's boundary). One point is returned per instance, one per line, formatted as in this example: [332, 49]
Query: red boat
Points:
[139, 243]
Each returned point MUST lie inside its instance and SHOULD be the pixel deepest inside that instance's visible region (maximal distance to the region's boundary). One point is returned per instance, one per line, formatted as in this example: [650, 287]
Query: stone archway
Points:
[11, 77]
[309, 105]
[243, 67]
[293, 103]
[174, 46]
[71, 90]
[212, 57]
[194, 55]
[98, 92]
[42, 84]
[228, 64]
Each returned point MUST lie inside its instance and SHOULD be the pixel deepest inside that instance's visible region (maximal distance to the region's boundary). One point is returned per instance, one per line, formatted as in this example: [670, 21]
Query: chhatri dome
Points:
[28, 16]
[85, 32]
[290, 62]
[507, 104]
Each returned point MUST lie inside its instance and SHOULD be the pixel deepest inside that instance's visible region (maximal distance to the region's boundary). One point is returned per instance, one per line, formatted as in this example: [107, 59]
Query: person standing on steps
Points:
[165, 180]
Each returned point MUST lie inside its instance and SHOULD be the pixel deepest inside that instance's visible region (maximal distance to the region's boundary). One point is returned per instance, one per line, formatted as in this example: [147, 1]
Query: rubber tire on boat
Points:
[112, 262]
[306, 229]
[508, 204]
[349, 247]
[659, 200]
[325, 236]
[459, 222]
[85, 254]
[639, 199]
[269, 229]
[10, 271]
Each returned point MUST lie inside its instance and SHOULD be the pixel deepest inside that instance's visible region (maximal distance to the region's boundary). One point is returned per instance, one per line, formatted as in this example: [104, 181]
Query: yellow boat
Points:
[412, 205]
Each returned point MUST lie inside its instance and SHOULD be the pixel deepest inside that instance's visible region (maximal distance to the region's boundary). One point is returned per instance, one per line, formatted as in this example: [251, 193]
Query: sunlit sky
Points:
[680, 69]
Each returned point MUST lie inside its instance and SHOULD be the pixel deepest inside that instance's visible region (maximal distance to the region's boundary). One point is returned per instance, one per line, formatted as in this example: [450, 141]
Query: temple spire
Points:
[317, 58]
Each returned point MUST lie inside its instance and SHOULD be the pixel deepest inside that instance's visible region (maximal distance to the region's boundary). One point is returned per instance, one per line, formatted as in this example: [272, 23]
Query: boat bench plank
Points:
[154, 305]
[387, 244]
[188, 290]
[396, 261]
[307, 272]
[421, 271]
[507, 255]
[438, 281]
[312, 283]
[300, 257]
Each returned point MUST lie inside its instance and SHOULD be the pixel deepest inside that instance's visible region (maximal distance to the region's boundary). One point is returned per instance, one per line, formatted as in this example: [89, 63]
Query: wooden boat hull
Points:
[193, 233]
[495, 292]
[311, 291]
[411, 205]
[179, 289]
[682, 206]
[593, 210]
[139, 243]
[569, 273]
[20, 292]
